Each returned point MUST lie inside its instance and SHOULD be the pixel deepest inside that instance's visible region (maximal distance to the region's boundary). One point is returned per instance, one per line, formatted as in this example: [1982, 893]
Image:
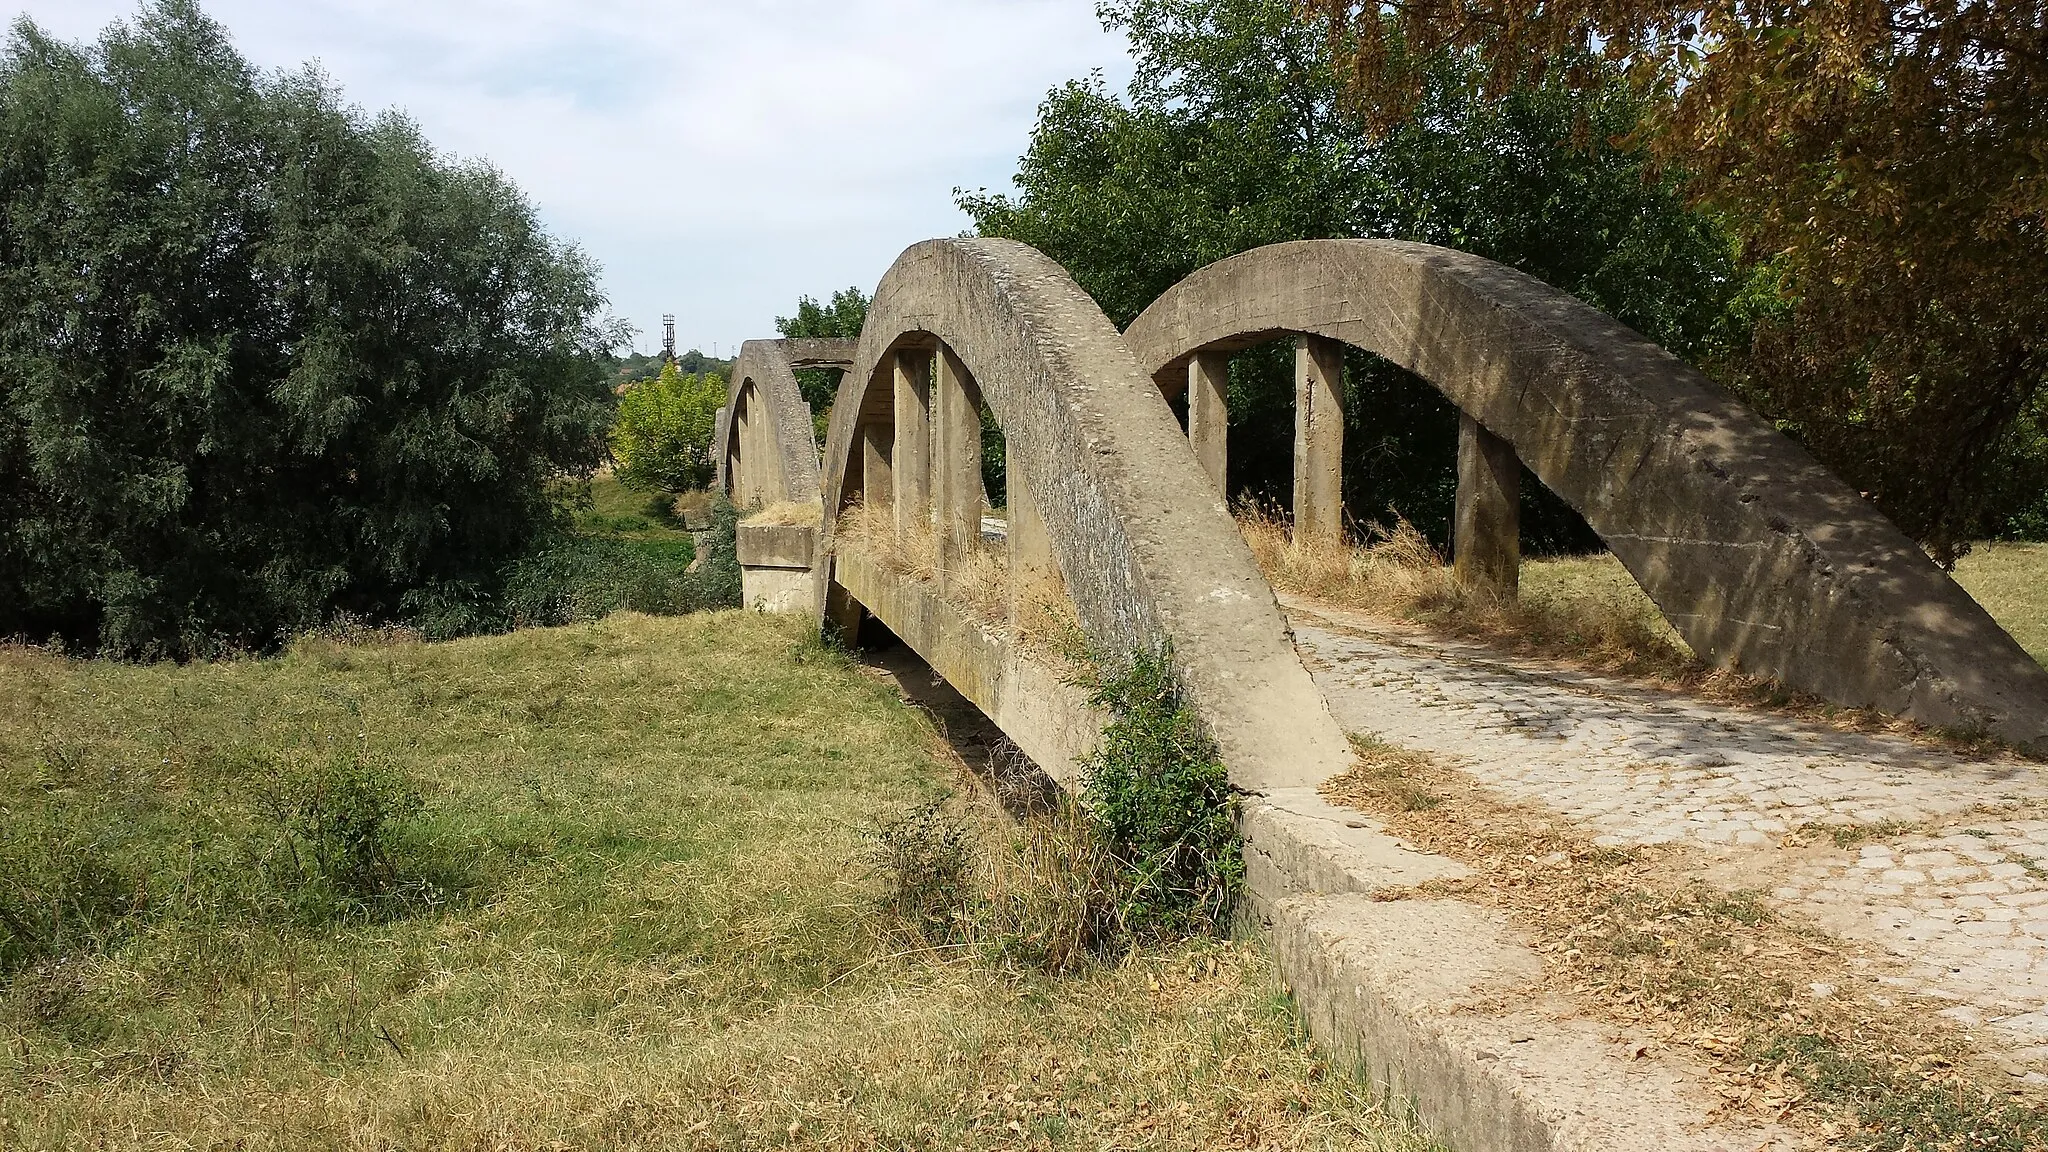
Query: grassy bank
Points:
[596, 886]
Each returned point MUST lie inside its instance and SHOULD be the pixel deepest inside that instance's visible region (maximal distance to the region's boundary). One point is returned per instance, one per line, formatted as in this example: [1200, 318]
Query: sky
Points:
[719, 158]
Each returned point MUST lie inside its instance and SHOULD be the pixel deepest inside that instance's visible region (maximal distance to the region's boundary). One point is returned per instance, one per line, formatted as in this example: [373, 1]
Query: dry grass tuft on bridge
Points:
[598, 886]
[1589, 612]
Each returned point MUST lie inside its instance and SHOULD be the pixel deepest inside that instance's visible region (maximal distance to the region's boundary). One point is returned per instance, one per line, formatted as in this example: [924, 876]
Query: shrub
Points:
[338, 831]
[715, 580]
[927, 861]
[662, 440]
[1160, 795]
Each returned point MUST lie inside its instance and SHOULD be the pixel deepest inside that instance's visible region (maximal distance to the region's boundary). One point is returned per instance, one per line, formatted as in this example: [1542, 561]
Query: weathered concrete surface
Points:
[1209, 415]
[1408, 989]
[1318, 439]
[775, 545]
[1760, 557]
[1029, 698]
[772, 455]
[776, 573]
[1486, 531]
[1144, 545]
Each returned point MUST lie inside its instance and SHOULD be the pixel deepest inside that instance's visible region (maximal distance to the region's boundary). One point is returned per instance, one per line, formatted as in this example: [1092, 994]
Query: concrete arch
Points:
[764, 450]
[1760, 557]
[1147, 551]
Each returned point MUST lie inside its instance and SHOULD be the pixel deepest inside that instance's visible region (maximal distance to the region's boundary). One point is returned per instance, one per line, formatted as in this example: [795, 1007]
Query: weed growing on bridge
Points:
[1633, 935]
[1149, 853]
[1157, 787]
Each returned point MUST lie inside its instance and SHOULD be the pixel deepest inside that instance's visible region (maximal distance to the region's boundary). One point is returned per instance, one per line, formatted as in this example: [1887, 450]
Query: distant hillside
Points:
[647, 366]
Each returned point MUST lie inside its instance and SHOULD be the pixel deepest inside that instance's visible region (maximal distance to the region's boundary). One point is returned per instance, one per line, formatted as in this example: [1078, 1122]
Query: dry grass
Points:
[1398, 573]
[978, 581]
[666, 940]
[1792, 1023]
[788, 513]
[1584, 611]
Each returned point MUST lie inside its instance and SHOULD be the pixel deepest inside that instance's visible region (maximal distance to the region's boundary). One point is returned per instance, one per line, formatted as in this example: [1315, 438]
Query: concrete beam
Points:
[1318, 440]
[1209, 415]
[1486, 534]
[911, 459]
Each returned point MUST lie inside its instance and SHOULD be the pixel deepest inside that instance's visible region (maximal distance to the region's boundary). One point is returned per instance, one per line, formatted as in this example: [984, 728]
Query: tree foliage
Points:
[1235, 134]
[1882, 162]
[262, 357]
[662, 440]
[840, 318]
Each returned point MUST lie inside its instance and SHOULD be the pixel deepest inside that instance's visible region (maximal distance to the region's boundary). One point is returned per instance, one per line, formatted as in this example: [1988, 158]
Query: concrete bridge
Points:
[1116, 532]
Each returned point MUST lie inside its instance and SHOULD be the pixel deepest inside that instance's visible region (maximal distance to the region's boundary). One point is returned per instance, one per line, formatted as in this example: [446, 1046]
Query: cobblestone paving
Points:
[1952, 880]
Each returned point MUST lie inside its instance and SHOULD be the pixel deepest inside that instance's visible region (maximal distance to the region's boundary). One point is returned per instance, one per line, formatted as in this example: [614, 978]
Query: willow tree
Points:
[1882, 164]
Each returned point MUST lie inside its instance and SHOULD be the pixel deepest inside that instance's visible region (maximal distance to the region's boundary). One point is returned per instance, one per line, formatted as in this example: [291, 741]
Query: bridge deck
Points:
[1949, 884]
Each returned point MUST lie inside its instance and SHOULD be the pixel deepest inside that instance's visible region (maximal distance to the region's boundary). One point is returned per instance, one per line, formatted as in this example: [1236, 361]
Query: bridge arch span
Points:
[1146, 550]
[764, 449]
[1759, 556]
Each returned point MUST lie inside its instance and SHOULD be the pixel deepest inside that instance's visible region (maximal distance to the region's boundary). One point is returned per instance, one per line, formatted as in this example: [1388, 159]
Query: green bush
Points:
[662, 440]
[265, 837]
[1158, 790]
[1149, 853]
[716, 581]
[338, 835]
[262, 357]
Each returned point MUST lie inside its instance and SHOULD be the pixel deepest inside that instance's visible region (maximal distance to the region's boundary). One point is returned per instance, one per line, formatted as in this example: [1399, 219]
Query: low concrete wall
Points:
[1028, 696]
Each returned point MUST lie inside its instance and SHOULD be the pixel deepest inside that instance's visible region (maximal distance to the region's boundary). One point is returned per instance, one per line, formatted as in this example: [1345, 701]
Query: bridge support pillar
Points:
[911, 459]
[877, 448]
[1034, 574]
[1209, 415]
[1486, 534]
[1318, 440]
[956, 460]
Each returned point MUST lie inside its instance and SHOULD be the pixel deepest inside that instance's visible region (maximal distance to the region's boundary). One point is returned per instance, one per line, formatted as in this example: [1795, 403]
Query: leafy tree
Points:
[842, 318]
[1882, 162]
[262, 357]
[663, 438]
[1235, 133]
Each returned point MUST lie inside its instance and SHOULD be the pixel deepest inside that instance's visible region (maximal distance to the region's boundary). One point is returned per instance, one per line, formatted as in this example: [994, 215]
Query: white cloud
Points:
[718, 158]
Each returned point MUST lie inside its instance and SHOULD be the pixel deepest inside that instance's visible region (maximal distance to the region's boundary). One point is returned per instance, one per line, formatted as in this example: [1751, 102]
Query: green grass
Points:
[2009, 580]
[616, 510]
[623, 908]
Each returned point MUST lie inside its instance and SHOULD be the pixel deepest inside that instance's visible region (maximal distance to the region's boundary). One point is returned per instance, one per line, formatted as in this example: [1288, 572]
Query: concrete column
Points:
[743, 449]
[877, 443]
[1209, 415]
[1486, 534]
[956, 459]
[1034, 574]
[911, 458]
[1318, 440]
